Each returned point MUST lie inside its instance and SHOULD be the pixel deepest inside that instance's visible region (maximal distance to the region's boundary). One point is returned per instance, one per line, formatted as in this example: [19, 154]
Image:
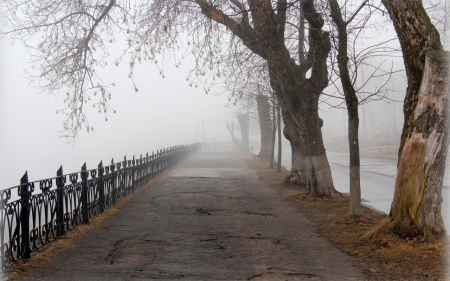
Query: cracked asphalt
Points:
[210, 218]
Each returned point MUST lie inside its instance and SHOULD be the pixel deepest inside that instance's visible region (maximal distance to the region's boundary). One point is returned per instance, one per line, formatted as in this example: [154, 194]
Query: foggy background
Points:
[163, 113]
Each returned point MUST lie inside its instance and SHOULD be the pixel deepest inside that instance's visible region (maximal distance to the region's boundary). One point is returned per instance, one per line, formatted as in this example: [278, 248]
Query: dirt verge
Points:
[388, 257]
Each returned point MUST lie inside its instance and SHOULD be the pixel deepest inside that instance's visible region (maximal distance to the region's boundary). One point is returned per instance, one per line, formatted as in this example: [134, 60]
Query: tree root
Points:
[403, 228]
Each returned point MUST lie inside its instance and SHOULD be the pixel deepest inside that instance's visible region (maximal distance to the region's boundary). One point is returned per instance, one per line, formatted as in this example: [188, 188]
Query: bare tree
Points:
[246, 81]
[349, 23]
[351, 100]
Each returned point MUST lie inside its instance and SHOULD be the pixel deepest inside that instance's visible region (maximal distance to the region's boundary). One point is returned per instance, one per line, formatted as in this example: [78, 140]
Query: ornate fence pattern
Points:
[46, 209]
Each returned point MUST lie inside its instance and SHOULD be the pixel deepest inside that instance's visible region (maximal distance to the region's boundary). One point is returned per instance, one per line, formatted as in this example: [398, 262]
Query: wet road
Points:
[377, 180]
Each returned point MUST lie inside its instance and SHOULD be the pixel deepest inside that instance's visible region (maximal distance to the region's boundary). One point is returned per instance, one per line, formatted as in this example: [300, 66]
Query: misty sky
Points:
[164, 112]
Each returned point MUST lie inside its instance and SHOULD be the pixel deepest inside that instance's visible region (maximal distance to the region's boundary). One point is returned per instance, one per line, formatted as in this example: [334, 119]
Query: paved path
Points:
[208, 219]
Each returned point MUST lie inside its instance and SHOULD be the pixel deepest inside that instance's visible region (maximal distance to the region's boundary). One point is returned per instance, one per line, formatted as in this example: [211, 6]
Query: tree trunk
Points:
[351, 101]
[309, 162]
[423, 146]
[243, 122]
[279, 138]
[274, 130]
[236, 141]
[265, 126]
[355, 208]
[418, 187]
[299, 98]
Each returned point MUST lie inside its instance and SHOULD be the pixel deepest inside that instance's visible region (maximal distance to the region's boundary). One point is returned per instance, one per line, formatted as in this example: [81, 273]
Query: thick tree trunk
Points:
[303, 130]
[265, 126]
[243, 122]
[418, 187]
[298, 96]
[423, 146]
[309, 162]
[351, 101]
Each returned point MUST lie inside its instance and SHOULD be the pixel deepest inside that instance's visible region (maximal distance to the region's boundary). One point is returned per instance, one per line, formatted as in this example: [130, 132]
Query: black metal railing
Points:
[35, 213]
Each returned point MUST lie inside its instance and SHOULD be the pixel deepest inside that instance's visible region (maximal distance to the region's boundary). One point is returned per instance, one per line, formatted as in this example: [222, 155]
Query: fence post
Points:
[153, 164]
[134, 174]
[114, 184]
[84, 194]
[146, 169]
[140, 172]
[101, 189]
[25, 215]
[119, 179]
[124, 179]
[164, 159]
[158, 158]
[60, 202]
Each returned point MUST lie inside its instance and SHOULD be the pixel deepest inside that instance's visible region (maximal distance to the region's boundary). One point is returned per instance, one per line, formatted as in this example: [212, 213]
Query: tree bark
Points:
[279, 138]
[417, 36]
[274, 130]
[301, 36]
[423, 147]
[351, 100]
[243, 122]
[418, 187]
[310, 166]
[265, 126]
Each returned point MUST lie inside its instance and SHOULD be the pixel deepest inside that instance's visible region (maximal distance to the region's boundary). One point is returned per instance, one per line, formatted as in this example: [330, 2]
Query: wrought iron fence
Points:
[46, 209]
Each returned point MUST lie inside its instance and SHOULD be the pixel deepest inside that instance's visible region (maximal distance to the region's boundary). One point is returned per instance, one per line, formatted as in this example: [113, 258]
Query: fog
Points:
[163, 113]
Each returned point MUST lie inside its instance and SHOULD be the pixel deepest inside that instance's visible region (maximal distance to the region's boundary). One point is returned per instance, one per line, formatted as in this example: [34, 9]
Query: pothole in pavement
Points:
[226, 238]
[208, 211]
[124, 252]
[281, 276]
